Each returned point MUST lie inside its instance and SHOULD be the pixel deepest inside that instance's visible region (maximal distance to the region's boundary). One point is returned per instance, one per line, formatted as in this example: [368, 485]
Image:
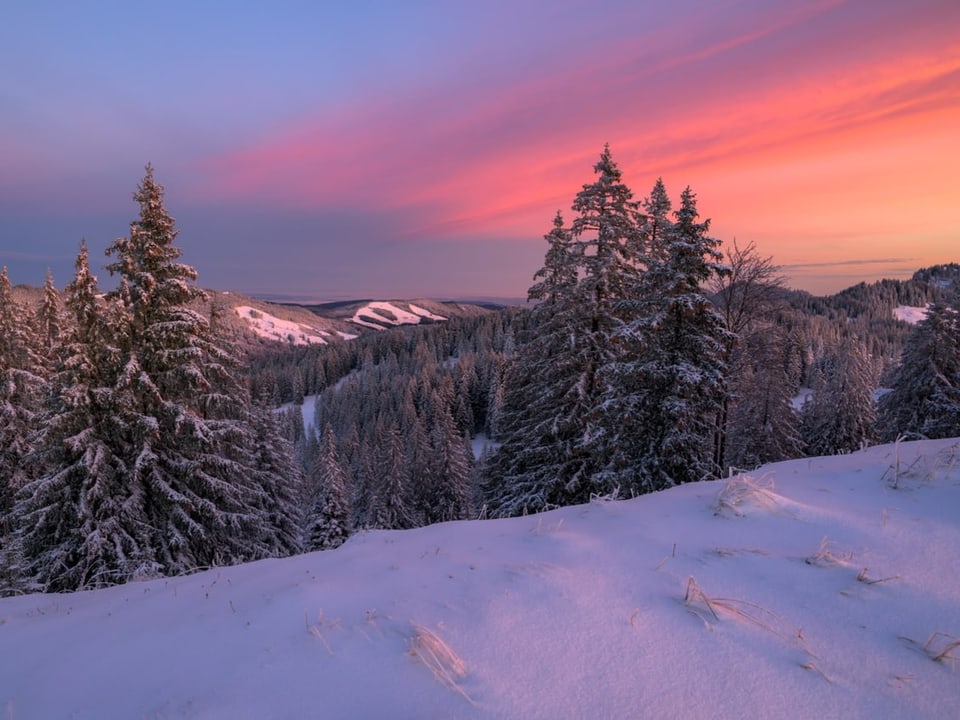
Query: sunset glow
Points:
[426, 154]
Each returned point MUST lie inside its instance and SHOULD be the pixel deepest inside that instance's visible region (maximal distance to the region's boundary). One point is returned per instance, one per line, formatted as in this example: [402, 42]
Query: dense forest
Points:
[142, 435]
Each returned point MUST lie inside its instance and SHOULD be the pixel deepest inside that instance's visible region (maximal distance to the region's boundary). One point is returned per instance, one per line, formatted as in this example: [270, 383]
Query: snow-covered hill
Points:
[320, 324]
[820, 588]
[377, 315]
[271, 327]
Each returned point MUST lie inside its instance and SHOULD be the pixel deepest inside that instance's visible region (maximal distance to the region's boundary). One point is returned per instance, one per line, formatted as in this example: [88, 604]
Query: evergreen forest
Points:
[143, 435]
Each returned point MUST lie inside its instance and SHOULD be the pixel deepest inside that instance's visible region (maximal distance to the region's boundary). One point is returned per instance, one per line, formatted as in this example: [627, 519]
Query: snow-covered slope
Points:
[377, 315]
[816, 589]
[257, 321]
[271, 327]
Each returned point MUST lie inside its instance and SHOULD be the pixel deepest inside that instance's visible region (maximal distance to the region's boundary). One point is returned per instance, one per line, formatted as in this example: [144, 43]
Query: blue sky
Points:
[422, 148]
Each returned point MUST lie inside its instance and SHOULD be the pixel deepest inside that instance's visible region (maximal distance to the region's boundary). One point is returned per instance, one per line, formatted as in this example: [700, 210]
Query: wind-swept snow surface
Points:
[821, 588]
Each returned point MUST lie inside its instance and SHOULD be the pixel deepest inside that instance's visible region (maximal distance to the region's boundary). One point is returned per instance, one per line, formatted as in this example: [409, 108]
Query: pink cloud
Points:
[744, 111]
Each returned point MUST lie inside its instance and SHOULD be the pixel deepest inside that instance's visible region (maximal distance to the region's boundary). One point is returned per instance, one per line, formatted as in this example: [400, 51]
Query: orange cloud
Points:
[786, 130]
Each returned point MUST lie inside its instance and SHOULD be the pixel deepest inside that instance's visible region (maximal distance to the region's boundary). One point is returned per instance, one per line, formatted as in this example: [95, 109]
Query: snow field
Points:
[271, 327]
[812, 588]
[390, 314]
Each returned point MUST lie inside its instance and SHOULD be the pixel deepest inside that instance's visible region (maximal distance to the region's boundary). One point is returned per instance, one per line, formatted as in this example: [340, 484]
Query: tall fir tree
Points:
[611, 258]
[925, 399]
[664, 392]
[540, 420]
[555, 440]
[330, 522]
[155, 443]
[21, 390]
[80, 523]
[840, 417]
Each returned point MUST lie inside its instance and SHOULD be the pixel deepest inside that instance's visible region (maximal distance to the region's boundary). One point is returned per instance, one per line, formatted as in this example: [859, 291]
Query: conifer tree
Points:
[543, 409]
[155, 441]
[279, 485]
[925, 399]
[655, 223]
[840, 417]
[81, 526]
[663, 393]
[450, 493]
[21, 388]
[421, 473]
[763, 425]
[391, 508]
[49, 320]
[330, 520]
[556, 441]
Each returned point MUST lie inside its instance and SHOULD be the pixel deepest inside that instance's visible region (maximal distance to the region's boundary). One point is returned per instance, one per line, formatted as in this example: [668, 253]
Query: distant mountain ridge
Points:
[284, 319]
[323, 323]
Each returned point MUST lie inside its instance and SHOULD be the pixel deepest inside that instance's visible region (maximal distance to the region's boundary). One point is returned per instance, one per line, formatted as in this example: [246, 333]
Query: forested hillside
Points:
[495, 374]
[142, 430]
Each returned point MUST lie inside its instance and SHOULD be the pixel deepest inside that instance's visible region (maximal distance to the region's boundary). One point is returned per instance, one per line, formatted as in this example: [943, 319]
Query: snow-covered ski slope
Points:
[270, 327]
[816, 588]
[372, 315]
[376, 315]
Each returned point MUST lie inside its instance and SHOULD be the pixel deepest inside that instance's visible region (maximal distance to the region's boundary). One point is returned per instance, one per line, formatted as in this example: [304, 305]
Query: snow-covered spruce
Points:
[618, 383]
[153, 460]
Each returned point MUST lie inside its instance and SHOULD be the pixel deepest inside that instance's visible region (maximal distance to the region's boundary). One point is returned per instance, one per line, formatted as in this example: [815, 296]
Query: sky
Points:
[331, 150]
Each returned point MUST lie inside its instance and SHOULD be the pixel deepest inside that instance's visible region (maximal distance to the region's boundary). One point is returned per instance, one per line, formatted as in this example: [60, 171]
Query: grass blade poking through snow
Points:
[943, 648]
[697, 600]
[742, 491]
[737, 609]
[825, 556]
[447, 667]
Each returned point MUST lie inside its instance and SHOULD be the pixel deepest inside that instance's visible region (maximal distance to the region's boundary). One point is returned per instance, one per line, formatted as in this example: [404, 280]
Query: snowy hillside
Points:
[318, 325]
[259, 321]
[271, 327]
[817, 588]
[323, 323]
[377, 315]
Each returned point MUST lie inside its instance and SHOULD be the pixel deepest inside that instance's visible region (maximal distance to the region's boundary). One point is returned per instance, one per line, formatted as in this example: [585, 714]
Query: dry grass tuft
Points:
[867, 580]
[705, 607]
[943, 648]
[825, 556]
[923, 467]
[447, 667]
[697, 600]
[316, 629]
[744, 491]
